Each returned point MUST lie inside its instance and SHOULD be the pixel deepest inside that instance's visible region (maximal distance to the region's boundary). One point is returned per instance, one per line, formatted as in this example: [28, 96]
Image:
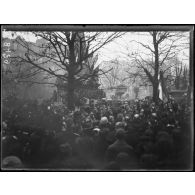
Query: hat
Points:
[12, 162]
[119, 125]
[136, 116]
[103, 120]
[96, 129]
[154, 114]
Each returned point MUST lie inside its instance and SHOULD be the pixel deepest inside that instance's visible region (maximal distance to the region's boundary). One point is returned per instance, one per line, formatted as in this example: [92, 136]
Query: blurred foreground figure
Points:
[12, 162]
[121, 151]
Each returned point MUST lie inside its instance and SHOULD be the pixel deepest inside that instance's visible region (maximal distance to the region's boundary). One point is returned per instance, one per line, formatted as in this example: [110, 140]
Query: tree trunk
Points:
[156, 71]
[177, 82]
[155, 92]
[71, 80]
[70, 93]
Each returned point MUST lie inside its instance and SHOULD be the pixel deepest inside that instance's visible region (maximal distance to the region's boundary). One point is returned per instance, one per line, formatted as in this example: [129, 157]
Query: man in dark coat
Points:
[118, 146]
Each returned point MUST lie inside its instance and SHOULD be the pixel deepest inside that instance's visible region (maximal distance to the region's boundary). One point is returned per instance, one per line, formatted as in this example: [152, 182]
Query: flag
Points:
[160, 88]
[160, 91]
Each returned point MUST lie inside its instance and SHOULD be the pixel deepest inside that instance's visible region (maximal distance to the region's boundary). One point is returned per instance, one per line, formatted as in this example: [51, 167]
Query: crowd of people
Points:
[136, 135]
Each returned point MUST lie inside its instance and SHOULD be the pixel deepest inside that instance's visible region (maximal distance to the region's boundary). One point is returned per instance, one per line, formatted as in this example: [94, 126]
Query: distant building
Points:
[111, 84]
[12, 74]
[129, 94]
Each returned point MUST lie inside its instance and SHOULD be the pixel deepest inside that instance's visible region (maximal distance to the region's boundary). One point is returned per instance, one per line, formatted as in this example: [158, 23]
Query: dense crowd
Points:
[134, 135]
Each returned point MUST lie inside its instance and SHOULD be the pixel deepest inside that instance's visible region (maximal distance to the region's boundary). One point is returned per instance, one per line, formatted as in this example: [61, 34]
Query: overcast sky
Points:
[116, 49]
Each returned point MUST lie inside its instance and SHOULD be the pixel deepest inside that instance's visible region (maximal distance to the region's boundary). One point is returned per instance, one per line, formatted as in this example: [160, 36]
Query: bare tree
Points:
[65, 55]
[179, 78]
[163, 47]
[114, 73]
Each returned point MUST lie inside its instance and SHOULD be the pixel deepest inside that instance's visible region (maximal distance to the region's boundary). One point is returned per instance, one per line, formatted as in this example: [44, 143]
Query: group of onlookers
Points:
[134, 135]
